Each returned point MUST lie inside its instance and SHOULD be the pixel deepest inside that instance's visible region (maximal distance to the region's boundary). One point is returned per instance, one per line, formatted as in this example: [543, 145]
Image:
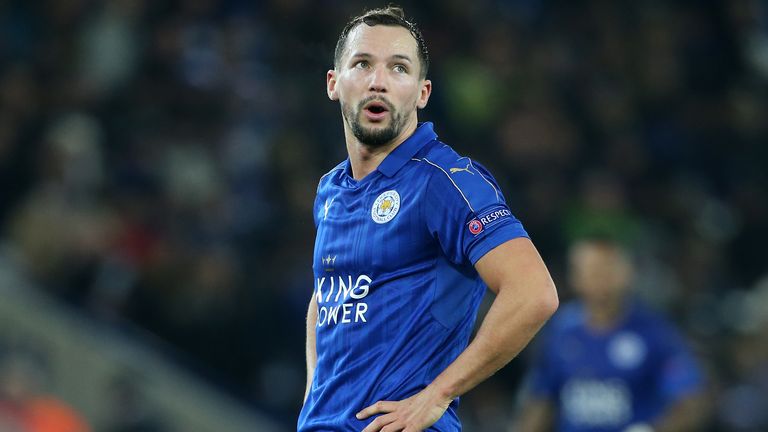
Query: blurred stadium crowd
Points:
[158, 162]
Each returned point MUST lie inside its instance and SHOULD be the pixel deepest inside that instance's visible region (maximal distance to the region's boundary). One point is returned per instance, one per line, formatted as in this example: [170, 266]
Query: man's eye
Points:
[362, 64]
[400, 69]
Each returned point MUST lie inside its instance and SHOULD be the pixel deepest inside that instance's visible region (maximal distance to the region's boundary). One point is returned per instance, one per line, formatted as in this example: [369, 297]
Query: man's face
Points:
[599, 273]
[377, 83]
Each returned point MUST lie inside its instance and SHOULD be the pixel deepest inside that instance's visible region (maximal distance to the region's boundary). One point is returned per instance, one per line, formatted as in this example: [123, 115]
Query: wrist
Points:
[440, 393]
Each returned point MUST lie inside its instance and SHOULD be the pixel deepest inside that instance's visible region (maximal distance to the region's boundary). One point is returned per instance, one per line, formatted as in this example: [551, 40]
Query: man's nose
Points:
[378, 81]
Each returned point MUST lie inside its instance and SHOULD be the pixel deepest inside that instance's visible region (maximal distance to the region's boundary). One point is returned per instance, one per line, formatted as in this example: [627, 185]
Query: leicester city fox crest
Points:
[385, 207]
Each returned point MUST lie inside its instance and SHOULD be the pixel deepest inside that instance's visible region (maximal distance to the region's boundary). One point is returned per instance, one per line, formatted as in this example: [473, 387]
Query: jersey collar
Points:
[403, 153]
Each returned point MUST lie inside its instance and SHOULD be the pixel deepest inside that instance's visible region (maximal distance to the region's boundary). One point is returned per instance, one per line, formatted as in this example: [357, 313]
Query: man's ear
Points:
[330, 81]
[426, 90]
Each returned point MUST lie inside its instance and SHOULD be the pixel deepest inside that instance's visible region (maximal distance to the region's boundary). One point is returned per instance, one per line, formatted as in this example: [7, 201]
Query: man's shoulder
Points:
[325, 178]
[438, 155]
[647, 320]
[339, 167]
[441, 157]
[452, 171]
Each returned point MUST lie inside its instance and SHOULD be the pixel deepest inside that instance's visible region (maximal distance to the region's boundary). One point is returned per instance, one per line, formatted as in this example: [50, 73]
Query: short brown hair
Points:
[389, 16]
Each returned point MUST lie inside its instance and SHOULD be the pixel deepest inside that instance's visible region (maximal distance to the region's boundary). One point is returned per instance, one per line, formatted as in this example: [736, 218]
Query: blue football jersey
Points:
[395, 283]
[603, 381]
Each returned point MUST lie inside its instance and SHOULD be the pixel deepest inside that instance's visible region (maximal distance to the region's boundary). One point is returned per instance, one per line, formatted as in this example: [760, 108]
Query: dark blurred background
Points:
[158, 162]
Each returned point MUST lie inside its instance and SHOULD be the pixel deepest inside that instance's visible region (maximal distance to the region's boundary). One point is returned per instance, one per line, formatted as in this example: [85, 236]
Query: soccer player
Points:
[606, 362]
[409, 235]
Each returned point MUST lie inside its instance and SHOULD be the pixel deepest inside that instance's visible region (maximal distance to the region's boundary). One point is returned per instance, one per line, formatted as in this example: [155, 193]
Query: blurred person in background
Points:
[608, 363]
[409, 235]
[24, 405]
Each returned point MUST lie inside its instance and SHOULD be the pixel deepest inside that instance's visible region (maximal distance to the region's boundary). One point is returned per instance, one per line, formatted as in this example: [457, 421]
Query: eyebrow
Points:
[393, 56]
[403, 57]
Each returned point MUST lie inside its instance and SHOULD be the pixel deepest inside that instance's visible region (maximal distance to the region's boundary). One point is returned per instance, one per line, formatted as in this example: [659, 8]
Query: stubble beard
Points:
[373, 137]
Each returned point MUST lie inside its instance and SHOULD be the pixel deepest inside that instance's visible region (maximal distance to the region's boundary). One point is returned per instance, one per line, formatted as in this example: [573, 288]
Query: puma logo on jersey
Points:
[327, 207]
[466, 168]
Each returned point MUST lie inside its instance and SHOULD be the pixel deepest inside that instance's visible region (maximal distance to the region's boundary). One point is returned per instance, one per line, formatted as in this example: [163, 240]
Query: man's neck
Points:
[604, 316]
[364, 159]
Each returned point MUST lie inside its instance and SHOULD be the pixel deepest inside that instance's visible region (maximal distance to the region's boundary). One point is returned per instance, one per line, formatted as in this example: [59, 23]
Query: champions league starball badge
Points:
[475, 226]
[385, 207]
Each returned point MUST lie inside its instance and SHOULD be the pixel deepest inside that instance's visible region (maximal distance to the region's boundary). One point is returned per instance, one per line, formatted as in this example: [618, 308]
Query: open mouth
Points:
[376, 110]
[376, 107]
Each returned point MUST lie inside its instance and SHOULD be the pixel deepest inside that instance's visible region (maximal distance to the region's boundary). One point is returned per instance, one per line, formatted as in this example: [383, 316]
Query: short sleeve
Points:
[466, 212]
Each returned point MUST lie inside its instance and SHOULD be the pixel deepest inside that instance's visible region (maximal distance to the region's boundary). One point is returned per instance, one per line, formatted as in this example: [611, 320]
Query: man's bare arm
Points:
[311, 350]
[526, 298]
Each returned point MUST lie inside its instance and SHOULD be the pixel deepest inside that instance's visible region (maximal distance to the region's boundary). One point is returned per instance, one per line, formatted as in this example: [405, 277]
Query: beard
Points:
[373, 137]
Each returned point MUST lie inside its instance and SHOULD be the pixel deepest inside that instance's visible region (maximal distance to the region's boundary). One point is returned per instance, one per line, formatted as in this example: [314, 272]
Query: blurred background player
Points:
[606, 362]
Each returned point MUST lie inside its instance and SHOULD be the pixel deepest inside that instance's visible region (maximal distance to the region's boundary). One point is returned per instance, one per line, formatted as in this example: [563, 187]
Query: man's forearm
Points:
[526, 298]
[311, 349]
[510, 324]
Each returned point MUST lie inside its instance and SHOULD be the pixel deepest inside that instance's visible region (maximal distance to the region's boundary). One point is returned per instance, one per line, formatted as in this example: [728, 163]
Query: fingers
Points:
[377, 408]
[393, 427]
[383, 423]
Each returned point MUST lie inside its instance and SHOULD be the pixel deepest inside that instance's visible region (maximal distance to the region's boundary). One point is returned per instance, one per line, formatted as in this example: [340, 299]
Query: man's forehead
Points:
[382, 40]
[590, 252]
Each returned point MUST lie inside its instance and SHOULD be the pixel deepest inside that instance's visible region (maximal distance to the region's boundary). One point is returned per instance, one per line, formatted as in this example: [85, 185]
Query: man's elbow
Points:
[545, 304]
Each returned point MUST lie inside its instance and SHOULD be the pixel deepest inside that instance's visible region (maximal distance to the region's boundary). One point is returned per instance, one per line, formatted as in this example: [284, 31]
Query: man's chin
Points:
[369, 130]
[376, 137]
